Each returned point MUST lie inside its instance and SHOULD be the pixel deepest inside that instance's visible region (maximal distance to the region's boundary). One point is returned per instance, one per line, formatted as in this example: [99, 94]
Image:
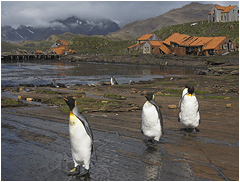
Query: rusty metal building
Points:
[60, 47]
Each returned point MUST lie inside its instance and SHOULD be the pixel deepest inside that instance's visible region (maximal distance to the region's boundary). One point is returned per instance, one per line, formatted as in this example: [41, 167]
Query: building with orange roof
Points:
[223, 14]
[181, 44]
[143, 42]
[60, 47]
[148, 37]
[153, 47]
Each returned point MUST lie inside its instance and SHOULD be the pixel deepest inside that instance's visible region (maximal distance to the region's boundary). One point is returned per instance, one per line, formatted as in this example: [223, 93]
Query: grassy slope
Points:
[205, 29]
[100, 44]
[97, 45]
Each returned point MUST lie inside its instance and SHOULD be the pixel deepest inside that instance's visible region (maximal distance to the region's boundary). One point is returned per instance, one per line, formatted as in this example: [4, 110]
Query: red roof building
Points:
[223, 14]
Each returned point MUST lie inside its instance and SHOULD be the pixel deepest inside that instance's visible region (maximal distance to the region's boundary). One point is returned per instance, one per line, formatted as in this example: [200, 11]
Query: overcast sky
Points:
[39, 13]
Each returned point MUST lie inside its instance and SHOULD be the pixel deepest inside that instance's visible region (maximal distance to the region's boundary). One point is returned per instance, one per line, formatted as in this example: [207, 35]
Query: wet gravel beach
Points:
[35, 140]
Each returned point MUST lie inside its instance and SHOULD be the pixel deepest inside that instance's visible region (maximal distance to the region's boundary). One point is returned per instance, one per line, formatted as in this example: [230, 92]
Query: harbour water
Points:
[71, 73]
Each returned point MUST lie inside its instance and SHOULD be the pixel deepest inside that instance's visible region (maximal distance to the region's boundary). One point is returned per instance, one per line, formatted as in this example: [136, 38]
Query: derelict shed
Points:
[194, 45]
[60, 47]
[219, 45]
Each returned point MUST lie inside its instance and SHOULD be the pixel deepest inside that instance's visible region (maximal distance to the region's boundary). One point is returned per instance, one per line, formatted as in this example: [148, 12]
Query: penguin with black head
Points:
[185, 90]
[189, 113]
[81, 139]
[152, 120]
[113, 81]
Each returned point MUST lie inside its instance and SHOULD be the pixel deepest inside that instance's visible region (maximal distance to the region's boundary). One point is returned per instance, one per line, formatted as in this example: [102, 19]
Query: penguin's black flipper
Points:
[159, 114]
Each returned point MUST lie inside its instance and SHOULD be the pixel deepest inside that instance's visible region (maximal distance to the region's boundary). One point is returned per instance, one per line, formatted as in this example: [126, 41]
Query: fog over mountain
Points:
[71, 24]
[41, 13]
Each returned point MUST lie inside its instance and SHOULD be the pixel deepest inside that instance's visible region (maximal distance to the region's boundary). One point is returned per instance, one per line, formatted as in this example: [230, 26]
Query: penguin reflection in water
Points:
[81, 139]
[152, 121]
[189, 114]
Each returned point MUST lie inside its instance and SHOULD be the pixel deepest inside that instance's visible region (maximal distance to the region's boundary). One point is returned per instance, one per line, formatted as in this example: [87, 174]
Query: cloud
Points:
[40, 13]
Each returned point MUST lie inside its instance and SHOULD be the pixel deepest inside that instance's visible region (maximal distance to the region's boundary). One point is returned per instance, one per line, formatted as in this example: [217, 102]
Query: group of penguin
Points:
[81, 136]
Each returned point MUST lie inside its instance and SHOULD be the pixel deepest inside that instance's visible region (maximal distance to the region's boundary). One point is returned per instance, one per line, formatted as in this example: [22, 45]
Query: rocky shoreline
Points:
[114, 113]
[222, 71]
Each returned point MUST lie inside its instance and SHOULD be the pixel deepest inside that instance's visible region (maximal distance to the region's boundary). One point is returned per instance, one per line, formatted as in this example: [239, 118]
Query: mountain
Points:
[72, 24]
[188, 13]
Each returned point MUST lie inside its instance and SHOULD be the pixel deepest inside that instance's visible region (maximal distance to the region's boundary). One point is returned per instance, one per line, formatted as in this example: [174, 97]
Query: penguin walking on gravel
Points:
[81, 139]
[113, 81]
[189, 113]
[152, 121]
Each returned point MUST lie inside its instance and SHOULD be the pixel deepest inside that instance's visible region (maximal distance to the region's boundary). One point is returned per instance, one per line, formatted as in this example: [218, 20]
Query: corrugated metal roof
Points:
[196, 41]
[214, 42]
[136, 45]
[155, 43]
[145, 37]
[164, 49]
[176, 37]
[186, 40]
[228, 9]
[64, 42]
[225, 9]
[219, 7]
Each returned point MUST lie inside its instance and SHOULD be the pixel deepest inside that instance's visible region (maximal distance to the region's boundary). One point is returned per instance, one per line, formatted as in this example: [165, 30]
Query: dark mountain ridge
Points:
[71, 24]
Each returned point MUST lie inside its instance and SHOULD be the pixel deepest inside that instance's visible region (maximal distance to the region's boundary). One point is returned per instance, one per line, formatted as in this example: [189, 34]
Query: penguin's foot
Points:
[75, 171]
[86, 172]
[194, 131]
[152, 143]
[183, 130]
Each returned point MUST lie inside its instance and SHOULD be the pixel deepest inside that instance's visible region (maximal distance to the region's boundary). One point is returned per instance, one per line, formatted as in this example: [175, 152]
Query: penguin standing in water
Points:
[113, 81]
[81, 139]
[152, 121]
[189, 114]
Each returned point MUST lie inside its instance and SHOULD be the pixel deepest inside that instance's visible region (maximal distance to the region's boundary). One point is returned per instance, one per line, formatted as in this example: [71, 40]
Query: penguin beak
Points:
[65, 99]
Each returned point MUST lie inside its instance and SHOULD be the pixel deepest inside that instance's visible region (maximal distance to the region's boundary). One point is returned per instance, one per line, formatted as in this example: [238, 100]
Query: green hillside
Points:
[100, 44]
[96, 45]
[203, 29]
[8, 47]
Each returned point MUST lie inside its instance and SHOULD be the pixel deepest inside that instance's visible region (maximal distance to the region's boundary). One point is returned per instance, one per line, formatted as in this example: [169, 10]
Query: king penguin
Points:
[113, 81]
[81, 139]
[189, 113]
[152, 121]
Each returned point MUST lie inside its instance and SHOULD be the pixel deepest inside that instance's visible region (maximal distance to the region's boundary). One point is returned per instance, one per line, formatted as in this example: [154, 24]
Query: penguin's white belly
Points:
[189, 115]
[150, 121]
[81, 143]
